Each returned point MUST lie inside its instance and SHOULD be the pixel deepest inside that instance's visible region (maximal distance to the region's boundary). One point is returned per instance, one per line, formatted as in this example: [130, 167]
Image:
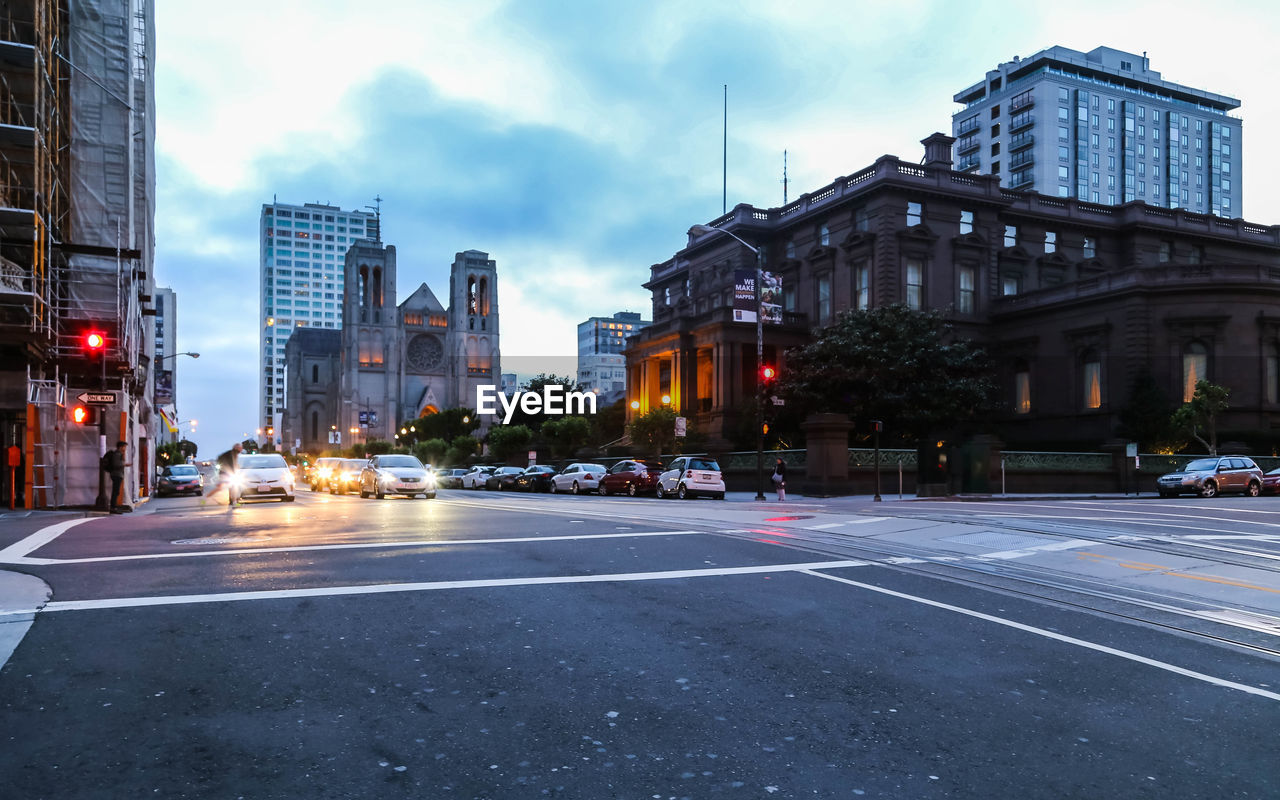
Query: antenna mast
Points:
[784, 177]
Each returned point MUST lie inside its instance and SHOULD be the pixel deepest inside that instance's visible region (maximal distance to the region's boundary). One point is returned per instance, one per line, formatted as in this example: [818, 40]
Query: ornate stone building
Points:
[1075, 299]
[393, 362]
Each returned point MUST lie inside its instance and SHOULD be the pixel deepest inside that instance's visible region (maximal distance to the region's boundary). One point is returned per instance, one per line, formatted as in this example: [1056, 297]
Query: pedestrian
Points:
[780, 479]
[113, 464]
[228, 466]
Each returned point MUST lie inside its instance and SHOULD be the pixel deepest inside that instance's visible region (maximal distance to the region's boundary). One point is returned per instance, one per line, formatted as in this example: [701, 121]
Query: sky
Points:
[576, 142]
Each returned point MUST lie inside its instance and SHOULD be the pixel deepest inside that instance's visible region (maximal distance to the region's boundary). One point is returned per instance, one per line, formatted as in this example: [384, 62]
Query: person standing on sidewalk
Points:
[113, 464]
[780, 479]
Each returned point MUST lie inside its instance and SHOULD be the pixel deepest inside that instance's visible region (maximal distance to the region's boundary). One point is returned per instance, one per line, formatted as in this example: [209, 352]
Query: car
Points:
[691, 476]
[395, 473]
[631, 476]
[1212, 476]
[449, 478]
[264, 475]
[535, 479]
[320, 472]
[503, 478]
[1271, 482]
[577, 478]
[180, 479]
[476, 477]
[345, 476]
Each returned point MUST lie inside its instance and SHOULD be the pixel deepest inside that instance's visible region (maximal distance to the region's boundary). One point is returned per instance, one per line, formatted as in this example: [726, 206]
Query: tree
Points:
[445, 425]
[894, 364]
[566, 435]
[609, 423]
[1201, 414]
[461, 449]
[431, 451]
[535, 385]
[655, 431]
[508, 440]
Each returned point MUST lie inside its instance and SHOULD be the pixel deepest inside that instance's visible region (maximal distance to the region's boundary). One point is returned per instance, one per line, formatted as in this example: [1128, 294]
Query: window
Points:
[1050, 242]
[1273, 374]
[964, 302]
[862, 286]
[915, 283]
[860, 221]
[790, 249]
[824, 299]
[1063, 173]
[1090, 244]
[824, 236]
[915, 214]
[315, 373]
[1009, 285]
[1196, 256]
[1195, 367]
[1010, 235]
[1166, 252]
[966, 222]
[1092, 375]
[1021, 388]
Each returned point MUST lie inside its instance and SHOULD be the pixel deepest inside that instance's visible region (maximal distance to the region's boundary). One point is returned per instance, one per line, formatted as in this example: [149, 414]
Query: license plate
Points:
[264, 488]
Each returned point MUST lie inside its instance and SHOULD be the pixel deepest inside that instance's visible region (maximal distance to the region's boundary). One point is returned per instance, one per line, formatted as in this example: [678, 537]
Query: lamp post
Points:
[698, 230]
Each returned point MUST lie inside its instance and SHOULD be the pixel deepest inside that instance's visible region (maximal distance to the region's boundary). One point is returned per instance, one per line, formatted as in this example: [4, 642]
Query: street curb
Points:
[20, 596]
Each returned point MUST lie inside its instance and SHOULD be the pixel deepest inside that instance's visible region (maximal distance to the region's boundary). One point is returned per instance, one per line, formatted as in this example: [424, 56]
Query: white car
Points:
[476, 477]
[578, 478]
[691, 476]
[264, 475]
[397, 474]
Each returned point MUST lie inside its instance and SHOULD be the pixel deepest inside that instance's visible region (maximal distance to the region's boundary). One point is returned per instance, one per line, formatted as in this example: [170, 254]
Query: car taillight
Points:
[586, 476]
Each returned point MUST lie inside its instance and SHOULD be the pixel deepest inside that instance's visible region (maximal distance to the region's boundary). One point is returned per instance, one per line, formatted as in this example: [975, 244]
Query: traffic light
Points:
[764, 429]
[768, 373]
[95, 342]
[80, 415]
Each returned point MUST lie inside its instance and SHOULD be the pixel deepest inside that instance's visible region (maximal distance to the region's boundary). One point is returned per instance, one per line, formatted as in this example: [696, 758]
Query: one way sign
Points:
[97, 398]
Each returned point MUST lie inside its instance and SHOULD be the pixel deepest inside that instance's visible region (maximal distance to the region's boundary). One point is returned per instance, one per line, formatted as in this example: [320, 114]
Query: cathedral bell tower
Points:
[473, 326]
[372, 345]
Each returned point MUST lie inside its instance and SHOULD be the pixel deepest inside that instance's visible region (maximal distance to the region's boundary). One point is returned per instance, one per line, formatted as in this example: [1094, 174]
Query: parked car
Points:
[536, 478]
[319, 479]
[632, 477]
[577, 478]
[1211, 476]
[263, 475]
[476, 477]
[397, 474]
[449, 478]
[691, 476]
[503, 478]
[180, 479]
[345, 476]
[1271, 482]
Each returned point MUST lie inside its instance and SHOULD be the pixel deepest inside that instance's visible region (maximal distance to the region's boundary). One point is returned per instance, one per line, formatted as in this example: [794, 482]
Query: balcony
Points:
[967, 145]
[1024, 100]
[1022, 180]
[968, 163]
[968, 126]
[1021, 142]
[1022, 159]
[1021, 121]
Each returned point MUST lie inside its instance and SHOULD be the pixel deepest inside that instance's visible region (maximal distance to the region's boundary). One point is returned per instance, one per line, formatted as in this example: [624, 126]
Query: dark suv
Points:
[1212, 476]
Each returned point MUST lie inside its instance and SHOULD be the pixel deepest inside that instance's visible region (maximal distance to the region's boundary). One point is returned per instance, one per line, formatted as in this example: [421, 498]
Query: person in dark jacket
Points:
[113, 464]
[228, 466]
[780, 479]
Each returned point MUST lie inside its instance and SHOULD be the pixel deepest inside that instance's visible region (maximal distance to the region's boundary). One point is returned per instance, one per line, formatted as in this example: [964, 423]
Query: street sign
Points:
[778, 401]
[102, 398]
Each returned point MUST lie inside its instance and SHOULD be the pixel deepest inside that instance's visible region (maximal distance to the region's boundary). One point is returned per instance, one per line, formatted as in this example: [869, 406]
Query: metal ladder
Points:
[49, 438]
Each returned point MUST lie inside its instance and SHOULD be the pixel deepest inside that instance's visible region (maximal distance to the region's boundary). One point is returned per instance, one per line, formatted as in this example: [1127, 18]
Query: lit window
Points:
[1092, 374]
[1195, 367]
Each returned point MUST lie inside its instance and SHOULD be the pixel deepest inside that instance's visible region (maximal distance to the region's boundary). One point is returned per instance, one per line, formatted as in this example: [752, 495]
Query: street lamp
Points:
[158, 359]
[699, 230]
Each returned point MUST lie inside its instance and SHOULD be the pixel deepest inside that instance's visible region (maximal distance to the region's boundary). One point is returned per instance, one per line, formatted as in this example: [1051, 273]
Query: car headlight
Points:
[236, 480]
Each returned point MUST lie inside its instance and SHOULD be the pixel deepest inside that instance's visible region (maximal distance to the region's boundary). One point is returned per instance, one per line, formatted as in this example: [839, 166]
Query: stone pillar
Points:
[827, 458]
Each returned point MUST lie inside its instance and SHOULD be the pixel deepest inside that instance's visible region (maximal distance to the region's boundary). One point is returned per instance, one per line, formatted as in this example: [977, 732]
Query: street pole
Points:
[759, 376]
[877, 457]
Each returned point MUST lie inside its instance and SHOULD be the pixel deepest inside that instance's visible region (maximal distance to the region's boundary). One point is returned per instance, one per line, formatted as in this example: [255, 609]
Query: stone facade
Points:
[1074, 299]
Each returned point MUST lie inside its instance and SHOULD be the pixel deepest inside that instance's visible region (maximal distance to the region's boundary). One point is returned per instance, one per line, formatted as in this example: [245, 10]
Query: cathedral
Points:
[390, 363]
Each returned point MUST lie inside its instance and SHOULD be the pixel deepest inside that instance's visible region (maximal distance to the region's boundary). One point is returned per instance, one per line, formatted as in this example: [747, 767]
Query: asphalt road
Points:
[481, 646]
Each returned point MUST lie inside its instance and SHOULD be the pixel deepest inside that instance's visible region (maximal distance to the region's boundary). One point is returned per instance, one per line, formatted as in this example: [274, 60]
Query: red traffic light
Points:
[79, 415]
[768, 373]
[95, 341]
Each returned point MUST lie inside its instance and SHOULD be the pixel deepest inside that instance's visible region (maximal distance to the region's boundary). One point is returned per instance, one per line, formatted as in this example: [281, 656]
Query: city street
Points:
[486, 645]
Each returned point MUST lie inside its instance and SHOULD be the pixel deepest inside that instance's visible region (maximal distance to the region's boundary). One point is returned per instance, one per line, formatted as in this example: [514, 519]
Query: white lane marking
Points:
[351, 546]
[14, 553]
[824, 527]
[338, 591]
[1200, 676]
[865, 520]
[1149, 510]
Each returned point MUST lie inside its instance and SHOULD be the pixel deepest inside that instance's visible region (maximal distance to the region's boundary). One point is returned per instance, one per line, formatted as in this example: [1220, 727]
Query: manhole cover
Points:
[991, 540]
[223, 540]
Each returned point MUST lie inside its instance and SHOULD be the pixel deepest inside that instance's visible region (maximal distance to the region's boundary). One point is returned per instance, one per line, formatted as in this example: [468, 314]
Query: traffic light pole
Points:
[102, 503]
[759, 377]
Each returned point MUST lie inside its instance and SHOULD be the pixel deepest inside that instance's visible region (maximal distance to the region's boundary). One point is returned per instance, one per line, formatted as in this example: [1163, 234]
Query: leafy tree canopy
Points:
[1200, 415]
[654, 432]
[535, 385]
[894, 364]
[506, 441]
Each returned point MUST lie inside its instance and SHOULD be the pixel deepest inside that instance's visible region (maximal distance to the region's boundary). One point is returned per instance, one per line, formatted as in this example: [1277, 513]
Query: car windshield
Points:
[1201, 464]
[263, 461]
[400, 461]
[184, 471]
[704, 463]
[540, 468]
[510, 471]
[591, 467]
[353, 464]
